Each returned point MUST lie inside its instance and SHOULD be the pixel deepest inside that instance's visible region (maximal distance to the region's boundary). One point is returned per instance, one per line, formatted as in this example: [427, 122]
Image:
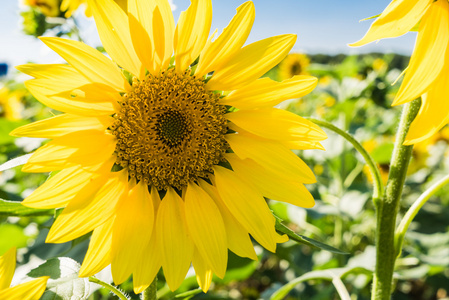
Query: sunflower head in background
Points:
[294, 64]
[31, 290]
[70, 6]
[167, 158]
[49, 8]
[11, 106]
[64, 8]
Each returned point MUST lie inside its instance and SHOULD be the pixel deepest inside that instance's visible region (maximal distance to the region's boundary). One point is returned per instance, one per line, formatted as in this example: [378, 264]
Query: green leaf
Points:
[238, 269]
[303, 239]
[12, 235]
[14, 208]
[64, 282]
[382, 153]
[6, 126]
[189, 294]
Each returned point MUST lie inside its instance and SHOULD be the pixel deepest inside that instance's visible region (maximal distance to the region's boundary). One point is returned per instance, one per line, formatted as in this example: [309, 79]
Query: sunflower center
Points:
[296, 68]
[170, 130]
[172, 126]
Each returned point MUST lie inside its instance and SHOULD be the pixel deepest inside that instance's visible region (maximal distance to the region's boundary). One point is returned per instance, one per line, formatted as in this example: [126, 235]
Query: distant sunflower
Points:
[49, 8]
[380, 149]
[56, 8]
[69, 6]
[168, 171]
[31, 290]
[427, 75]
[294, 64]
[10, 104]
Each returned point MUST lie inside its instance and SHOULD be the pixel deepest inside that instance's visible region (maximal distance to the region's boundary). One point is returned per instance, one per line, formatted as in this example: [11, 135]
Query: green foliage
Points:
[64, 282]
[303, 239]
[14, 208]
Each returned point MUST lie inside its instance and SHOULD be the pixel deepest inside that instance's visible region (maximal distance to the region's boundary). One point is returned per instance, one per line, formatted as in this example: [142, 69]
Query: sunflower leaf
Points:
[64, 282]
[303, 239]
[189, 294]
[15, 208]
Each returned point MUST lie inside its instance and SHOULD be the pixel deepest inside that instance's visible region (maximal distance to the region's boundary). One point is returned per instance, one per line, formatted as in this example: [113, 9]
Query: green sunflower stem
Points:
[110, 287]
[388, 206]
[150, 293]
[377, 182]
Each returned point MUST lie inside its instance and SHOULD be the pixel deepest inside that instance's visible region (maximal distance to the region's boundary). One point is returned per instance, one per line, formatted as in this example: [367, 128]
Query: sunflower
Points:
[49, 8]
[31, 290]
[427, 75]
[56, 8]
[69, 6]
[293, 64]
[168, 161]
[380, 149]
[10, 104]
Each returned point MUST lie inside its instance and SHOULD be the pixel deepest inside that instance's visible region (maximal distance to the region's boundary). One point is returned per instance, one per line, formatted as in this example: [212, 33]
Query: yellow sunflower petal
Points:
[149, 266]
[265, 92]
[60, 189]
[203, 272]
[428, 58]
[238, 239]
[206, 228]
[302, 145]
[113, 28]
[94, 93]
[269, 184]
[434, 111]
[84, 148]
[89, 62]
[61, 125]
[163, 34]
[281, 238]
[152, 30]
[57, 72]
[98, 254]
[272, 155]
[247, 205]
[276, 124]
[135, 214]
[216, 54]
[31, 290]
[7, 267]
[398, 18]
[151, 259]
[43, 91]
[142, 44]
[251, 62]
[173, 239]
[93, 206]
[191, 32]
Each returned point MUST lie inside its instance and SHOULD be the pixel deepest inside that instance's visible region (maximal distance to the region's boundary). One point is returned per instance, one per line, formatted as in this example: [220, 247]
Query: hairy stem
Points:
[110, 287]
[387, 208]
[150, 293]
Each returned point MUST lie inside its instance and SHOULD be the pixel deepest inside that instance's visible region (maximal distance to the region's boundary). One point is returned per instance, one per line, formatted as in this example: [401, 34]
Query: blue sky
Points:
[322, 26]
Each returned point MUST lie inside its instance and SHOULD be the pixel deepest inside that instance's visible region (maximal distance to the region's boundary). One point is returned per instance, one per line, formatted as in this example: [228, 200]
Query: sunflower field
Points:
[171, 161]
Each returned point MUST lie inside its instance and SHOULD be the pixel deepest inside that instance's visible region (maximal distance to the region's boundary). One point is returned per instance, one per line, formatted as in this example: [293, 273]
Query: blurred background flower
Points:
[294, 64]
